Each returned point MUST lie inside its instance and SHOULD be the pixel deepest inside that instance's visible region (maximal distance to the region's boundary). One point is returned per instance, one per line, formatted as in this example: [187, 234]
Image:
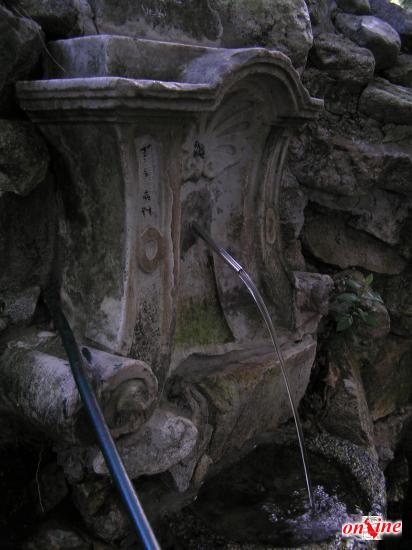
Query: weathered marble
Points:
[244, 390]
[208, 418]
[38, 387]
[200, 136]
[211, 146]
[164, 441]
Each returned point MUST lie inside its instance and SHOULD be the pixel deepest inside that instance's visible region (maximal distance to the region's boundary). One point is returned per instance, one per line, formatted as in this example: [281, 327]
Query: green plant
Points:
[351, 305]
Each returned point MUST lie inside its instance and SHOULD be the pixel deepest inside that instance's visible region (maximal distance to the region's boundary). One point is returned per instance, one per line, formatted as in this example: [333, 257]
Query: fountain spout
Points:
[256, 295]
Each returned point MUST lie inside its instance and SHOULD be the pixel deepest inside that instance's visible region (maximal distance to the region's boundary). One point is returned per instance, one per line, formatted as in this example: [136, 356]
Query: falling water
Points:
[250, 285]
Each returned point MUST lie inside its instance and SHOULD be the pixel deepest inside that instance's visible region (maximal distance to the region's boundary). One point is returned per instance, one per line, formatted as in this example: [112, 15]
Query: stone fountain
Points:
[148, 136]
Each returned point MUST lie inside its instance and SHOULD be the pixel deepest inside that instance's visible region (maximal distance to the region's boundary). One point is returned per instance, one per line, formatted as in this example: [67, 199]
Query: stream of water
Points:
[257, 297]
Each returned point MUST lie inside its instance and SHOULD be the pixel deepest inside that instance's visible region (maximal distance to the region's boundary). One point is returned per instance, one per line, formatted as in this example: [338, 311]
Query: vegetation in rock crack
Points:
[351, 305]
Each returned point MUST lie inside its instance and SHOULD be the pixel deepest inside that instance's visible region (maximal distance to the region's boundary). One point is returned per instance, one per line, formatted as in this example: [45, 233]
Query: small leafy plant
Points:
[351, 306]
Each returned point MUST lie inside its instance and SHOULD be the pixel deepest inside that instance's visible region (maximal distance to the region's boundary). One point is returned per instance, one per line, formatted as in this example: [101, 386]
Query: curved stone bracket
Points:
[38, 388]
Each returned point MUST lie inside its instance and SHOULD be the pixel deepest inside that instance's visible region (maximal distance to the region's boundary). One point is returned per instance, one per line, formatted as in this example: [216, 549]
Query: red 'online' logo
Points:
[372, 528]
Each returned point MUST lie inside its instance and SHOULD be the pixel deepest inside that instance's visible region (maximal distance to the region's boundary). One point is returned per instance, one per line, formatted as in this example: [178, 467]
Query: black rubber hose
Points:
[94, 412]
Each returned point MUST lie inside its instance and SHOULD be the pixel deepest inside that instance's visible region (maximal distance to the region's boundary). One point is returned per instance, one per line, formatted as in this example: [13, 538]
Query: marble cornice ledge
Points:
[99, 84]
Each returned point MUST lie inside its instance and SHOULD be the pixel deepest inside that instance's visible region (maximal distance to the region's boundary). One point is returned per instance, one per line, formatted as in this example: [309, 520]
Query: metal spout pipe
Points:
[257, 297]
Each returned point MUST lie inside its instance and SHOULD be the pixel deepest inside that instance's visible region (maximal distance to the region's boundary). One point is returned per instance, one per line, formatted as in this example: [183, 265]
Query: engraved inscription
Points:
[150, 243]
[146, 168]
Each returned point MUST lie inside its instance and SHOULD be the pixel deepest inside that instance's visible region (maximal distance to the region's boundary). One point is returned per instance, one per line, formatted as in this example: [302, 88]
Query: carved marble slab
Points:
[148, 136]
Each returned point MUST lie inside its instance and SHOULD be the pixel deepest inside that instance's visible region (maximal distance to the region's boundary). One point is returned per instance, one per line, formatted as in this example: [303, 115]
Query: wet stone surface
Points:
[262, 500]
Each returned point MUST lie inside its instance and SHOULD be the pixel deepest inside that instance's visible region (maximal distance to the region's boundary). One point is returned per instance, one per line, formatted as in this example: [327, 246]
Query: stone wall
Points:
[347, 189]
[354, 166]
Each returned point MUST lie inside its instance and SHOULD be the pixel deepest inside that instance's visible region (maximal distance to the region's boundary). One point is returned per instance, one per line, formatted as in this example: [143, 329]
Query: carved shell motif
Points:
[217, 142]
